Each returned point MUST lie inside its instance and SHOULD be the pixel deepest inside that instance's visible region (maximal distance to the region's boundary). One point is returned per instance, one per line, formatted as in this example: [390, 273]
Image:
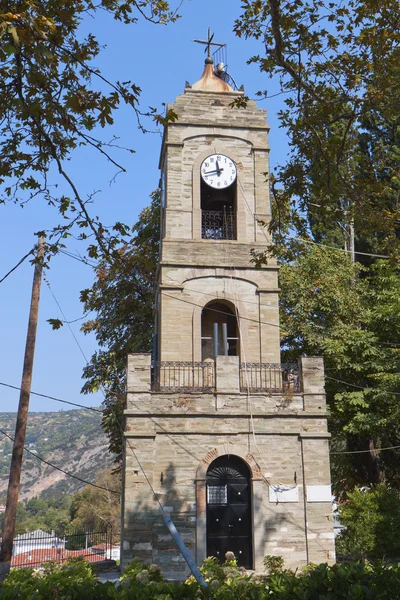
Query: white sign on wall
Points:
[319, 493]
[283, 493]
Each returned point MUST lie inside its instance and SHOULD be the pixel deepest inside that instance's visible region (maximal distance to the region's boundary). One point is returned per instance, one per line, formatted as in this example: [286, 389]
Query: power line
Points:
[14, 387]
[65, 319]
[361, 387]
[46, 462]
[222, 312]
[17, 265]
[364, 451]
[85, 261]
[339, 249]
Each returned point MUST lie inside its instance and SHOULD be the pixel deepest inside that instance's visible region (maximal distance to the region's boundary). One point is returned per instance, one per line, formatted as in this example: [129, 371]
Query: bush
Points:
[372, 523]
[75, 580]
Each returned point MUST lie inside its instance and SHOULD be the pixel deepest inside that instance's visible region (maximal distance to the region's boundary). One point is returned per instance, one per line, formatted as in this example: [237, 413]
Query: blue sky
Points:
[159, 59]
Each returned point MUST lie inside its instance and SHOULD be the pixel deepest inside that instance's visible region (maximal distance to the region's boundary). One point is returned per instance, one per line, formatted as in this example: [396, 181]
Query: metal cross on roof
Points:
[209, 43]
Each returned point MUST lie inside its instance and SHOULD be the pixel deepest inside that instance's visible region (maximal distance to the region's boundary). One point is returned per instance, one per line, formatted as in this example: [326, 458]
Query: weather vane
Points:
[208, 43]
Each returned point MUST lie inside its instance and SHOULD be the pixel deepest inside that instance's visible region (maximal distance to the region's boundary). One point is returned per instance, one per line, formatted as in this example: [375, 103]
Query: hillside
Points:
[72, 440]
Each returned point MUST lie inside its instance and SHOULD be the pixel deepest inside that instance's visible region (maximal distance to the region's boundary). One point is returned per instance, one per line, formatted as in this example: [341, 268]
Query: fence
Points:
[38, 547]
[270, 377]
[183, 376]
[218, 225]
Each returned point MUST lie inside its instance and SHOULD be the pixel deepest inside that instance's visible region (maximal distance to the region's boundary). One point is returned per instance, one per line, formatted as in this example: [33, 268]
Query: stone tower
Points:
[233, 443]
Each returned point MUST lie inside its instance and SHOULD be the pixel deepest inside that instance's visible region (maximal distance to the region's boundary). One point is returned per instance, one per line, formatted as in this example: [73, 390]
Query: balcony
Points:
[178, 376]
[270, 377]
[218, 225]
[192, 377]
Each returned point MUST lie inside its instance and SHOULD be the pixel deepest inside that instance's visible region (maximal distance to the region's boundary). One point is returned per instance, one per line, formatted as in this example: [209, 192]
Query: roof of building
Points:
[38, 556]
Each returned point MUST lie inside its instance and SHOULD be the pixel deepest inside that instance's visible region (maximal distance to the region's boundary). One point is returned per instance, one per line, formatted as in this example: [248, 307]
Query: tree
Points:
[371, 518]
[337, 65]
[350, 316]
[123, 299]
[338, 70]
[52, 100]
[95, 508]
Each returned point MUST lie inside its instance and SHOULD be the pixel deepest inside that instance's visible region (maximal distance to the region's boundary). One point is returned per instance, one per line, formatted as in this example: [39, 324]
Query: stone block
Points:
[138, 377]
[227, 374]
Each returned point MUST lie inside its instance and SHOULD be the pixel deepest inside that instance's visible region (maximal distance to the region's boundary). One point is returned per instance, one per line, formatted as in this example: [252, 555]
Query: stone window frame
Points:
[198, 310]
[219, 147]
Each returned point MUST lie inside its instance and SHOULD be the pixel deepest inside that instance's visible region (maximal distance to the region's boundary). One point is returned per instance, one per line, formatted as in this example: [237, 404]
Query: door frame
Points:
[201, 495]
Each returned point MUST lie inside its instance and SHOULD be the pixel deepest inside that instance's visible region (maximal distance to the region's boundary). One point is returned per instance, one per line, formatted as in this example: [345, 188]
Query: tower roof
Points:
[209, 82]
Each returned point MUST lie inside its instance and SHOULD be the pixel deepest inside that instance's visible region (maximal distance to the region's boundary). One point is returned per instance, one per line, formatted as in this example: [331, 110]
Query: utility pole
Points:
[352, 243]
[22, 417]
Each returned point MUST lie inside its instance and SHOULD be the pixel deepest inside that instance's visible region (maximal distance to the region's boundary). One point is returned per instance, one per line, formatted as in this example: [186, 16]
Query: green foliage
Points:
[122, 298]
[53, 101]
[337, 66]
[273, 564]
[371, 518]
[358, 581]
[138, 571]
[95, 508]
[71, 580]
[333, 308]
[63, 438]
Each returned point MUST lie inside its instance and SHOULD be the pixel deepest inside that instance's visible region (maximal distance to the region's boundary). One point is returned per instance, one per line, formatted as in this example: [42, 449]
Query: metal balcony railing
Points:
[218, 225]
[177, 376]
[270, 377]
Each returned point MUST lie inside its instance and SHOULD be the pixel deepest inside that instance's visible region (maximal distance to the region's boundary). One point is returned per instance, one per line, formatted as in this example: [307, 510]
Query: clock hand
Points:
[215, 171]
[218, 169]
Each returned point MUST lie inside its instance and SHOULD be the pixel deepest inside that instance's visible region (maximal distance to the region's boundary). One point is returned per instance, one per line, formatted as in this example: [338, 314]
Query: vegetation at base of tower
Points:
[54, 100]
[75, 580]
[350, 315]
[338, 68]
[122, 298]
[371, 518]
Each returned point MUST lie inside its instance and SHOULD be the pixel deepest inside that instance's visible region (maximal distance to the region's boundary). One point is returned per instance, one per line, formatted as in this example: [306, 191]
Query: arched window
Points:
[229, 523]
[219, 330]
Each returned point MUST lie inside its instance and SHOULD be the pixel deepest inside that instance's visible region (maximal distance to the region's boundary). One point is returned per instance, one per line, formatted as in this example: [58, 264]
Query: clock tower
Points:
[222, 437]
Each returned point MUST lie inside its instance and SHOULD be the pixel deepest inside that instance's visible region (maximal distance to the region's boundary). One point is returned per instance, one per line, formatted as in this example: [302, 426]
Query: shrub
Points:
[75, 581]
[372, 523]
[273, 564]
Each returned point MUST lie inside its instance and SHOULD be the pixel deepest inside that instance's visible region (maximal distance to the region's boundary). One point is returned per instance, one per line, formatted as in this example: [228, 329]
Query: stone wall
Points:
[176, 436]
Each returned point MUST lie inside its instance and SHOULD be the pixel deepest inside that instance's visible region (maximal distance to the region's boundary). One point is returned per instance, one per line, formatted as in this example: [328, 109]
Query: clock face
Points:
[218, 171]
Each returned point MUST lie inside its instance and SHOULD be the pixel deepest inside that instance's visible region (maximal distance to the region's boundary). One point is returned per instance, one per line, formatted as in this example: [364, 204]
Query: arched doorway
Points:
[223, 316]
[229, 525]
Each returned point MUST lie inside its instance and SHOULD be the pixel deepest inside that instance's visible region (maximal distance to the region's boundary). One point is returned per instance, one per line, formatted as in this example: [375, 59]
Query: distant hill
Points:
[72, 440]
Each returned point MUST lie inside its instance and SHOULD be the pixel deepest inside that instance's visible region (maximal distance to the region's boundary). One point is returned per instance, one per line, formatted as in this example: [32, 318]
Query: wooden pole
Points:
[22, 417]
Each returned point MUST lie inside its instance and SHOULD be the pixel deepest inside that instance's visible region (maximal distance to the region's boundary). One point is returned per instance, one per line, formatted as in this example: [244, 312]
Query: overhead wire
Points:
[17, 265]
[266, 480]
[14, 387]
[394, 344]
[365, 451]
[249, 319]
[361, 387]
[46, 462]
[115, 416]
[98, 410]
[339, 249]
[68, 323]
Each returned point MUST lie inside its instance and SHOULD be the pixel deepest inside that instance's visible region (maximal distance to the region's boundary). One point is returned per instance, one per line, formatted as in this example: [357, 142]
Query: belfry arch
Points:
[219, 330]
